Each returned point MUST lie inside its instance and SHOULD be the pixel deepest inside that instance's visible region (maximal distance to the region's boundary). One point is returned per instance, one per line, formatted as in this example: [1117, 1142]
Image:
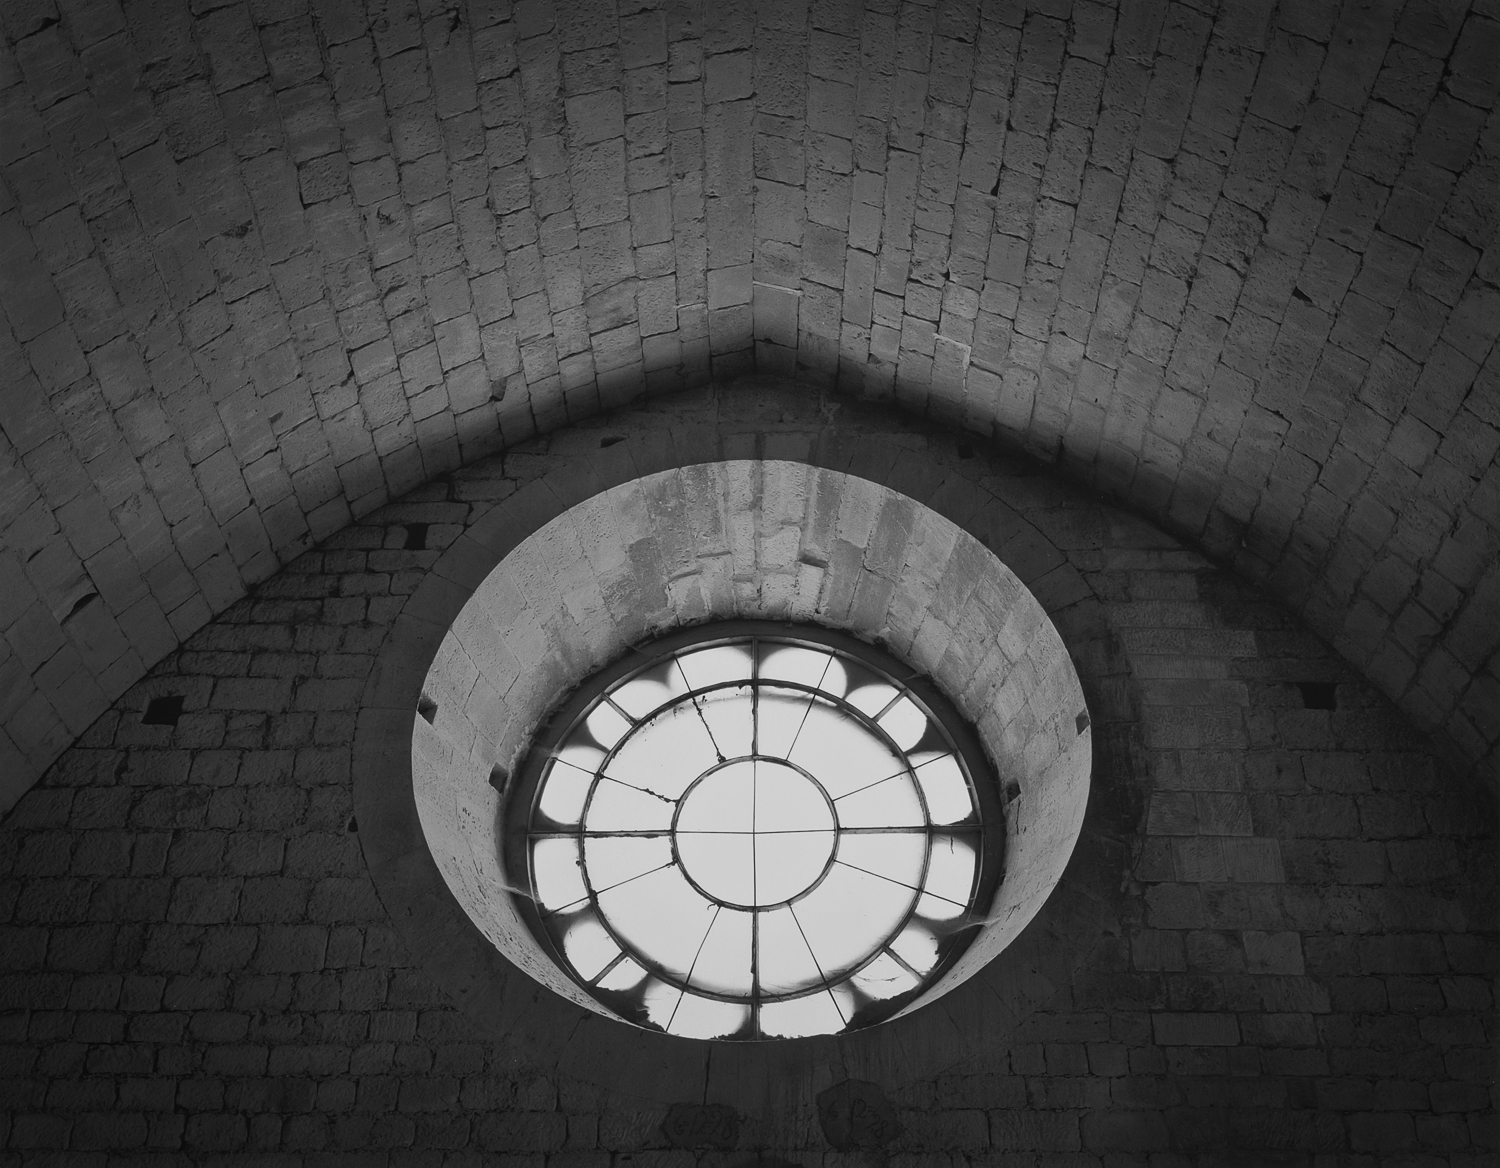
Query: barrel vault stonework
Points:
[1291, 962]
[266, 265]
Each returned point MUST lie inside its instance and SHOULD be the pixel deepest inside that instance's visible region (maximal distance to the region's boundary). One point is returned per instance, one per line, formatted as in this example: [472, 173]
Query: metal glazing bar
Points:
[900, 883]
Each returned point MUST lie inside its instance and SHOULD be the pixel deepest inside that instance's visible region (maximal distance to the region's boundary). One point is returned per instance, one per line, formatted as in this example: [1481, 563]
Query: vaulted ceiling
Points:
[267, 264]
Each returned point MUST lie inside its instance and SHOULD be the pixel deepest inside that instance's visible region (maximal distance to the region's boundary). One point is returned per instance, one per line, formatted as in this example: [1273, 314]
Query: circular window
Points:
[755, 831]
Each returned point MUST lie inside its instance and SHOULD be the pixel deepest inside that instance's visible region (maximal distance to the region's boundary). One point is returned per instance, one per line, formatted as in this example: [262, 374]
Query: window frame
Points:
[515, 816]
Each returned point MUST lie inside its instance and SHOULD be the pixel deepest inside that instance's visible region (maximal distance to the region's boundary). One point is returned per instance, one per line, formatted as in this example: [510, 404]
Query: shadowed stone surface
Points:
[265, 266]
[196, 964]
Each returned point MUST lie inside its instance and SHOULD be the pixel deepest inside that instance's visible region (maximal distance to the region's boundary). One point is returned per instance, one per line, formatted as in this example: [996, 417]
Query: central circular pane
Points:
[755, 832]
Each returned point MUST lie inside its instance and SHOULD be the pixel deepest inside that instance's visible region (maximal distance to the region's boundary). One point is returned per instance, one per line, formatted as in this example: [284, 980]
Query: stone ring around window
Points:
[484, 687]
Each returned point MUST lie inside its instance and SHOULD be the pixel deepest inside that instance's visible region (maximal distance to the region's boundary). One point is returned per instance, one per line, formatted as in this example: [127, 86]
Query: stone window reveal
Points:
[570, 590]
[755, 831]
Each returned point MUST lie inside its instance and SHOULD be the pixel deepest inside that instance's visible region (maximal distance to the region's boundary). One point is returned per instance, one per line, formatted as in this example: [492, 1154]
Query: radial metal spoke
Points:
[754, 851]
[867, 786]
[643, 790]
[900, 883]
[653, 832]
[697, 953]
[812, 700]
[902, 962]
[693, 697]
[822, 973]
[595, 893]
[603, 973]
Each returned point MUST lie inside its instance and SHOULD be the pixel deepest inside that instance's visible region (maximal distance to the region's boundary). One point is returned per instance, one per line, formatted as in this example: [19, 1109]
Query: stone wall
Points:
[268, 264]
[197, 964]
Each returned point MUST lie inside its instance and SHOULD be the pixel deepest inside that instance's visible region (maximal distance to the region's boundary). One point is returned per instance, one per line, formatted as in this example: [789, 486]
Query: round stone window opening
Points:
[594, 799]
[753, 830]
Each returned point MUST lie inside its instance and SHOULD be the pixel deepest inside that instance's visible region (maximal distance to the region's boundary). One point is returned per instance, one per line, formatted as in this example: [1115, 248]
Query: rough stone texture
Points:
[267, 264]
[197, 967]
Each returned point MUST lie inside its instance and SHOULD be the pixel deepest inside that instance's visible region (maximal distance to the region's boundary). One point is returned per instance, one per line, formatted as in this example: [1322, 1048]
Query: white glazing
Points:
[754, 839]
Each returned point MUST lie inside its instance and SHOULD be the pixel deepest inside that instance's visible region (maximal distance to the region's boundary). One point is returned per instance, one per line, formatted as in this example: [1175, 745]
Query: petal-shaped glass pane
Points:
[613, 860]
[564, 791]
[859, 677]
[934, 908]
[947, 794]
[554, 867]
[904, 722]
[884, 978]
[723, 964]
[850, 915]
[786, 801]
[588, 946]
[616, 807]
[722, 865]
[897, 856]
[707, 1018]
[647, 690]
[640, 696]
[844, 999]
[786, 963]
[580, 753]
[730, 718]
[787, 863]
[779, 717]
[871, 698]
[799, 1017]
[667, 753]
[917, 946]
[660, 1000]
[892, 803]
[950, 869]
[607, 724]
[723, 801]
[842, 753]
[931, 744]
[710, 666]
[660, 916]
[808, 666]
[627, 975]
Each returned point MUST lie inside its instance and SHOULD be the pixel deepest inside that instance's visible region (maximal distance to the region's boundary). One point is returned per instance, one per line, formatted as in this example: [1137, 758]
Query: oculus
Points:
[755, 831]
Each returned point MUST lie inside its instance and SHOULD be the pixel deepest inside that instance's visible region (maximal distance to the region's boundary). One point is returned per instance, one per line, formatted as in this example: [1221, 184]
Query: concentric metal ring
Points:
[686, 944]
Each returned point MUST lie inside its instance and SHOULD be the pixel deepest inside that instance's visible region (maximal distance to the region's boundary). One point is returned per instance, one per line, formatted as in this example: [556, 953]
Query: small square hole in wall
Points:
[1318, 695]
[416, 537]
[428, 709]
[163, 711]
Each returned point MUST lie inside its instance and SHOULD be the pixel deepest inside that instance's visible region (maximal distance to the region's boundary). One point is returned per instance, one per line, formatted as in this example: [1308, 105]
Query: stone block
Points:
[1187, 1029]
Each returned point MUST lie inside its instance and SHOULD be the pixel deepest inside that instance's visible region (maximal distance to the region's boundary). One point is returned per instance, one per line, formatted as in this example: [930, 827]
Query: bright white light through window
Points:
[757, 836]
